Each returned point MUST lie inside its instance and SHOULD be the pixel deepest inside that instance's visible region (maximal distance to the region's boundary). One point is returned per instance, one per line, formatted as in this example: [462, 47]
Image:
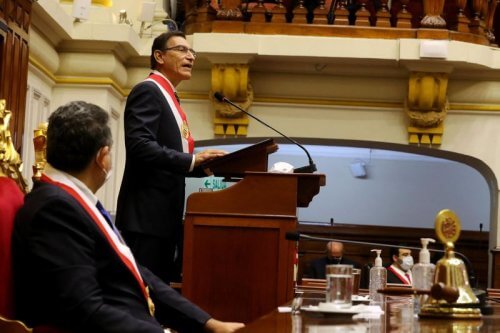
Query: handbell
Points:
[450, 274]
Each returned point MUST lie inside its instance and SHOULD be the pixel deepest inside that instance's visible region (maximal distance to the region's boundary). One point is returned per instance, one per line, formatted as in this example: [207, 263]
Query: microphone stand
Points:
[305, 169]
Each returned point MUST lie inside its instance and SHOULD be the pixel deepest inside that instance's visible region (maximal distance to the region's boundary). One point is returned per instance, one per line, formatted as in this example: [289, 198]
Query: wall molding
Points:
[79, 80]
[257, 99]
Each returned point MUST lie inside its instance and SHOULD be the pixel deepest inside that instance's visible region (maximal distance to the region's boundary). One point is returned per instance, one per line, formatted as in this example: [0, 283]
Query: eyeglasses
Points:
[181, 49]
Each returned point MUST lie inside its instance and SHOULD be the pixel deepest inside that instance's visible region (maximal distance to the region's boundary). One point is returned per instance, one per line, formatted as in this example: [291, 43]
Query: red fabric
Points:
[11, 199]
[168, 88]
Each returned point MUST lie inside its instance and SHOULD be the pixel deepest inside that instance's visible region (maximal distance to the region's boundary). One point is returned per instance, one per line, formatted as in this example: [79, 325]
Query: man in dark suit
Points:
[72, 269]
[159, 155]
[399, 271]
[334, 256]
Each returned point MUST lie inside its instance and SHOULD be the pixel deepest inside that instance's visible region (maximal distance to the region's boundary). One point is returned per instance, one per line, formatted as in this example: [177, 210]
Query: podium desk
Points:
[237, 264]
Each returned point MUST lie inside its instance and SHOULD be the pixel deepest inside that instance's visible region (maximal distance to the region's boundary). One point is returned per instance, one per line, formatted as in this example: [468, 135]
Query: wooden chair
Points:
[13, 326]
[313, 284]
[12, 189]
[493, 294]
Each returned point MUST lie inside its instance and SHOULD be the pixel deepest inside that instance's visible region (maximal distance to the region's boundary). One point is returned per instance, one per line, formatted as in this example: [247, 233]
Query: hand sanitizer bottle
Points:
[423, 272]
[378, 279]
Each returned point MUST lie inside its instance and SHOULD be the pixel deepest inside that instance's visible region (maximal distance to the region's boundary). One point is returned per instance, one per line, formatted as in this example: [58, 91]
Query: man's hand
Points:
[217, 326]
[207, 155]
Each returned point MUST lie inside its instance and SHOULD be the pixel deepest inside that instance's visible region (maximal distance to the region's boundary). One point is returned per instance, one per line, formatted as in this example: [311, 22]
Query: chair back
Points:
[13, 326]
[12, 186]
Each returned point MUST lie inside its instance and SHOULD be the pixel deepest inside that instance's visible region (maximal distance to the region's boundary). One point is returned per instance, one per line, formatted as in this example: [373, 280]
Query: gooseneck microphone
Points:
[305, 169]
[296, 236]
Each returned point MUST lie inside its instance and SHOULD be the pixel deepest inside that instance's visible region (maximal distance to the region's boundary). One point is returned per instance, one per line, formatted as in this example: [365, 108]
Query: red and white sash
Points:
[168, 92]
[405, 278]
[121, 249]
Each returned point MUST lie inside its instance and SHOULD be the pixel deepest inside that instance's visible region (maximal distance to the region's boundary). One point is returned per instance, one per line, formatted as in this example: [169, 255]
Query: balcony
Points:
[473, 21]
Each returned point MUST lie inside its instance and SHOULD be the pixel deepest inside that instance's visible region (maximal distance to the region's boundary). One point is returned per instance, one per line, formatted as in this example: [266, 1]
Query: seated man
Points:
[334, 256]
[72, 269]
[400, 270]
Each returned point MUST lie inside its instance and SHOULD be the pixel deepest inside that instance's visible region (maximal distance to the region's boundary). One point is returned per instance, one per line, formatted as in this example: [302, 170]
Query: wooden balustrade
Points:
[474, 21]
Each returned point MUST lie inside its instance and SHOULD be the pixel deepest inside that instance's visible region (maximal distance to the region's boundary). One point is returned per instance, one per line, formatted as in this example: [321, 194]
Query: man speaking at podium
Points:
[159, 155]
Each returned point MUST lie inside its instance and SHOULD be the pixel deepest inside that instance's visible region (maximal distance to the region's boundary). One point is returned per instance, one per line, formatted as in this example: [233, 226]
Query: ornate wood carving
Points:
[362, 15]
[279, 12]
[433, 9]
[15, 18]
[10, 160]
[320, 14]
[384, 16]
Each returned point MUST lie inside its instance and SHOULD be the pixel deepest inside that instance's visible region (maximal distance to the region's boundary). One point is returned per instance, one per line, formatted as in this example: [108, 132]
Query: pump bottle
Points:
[378, 279]
[423, 271]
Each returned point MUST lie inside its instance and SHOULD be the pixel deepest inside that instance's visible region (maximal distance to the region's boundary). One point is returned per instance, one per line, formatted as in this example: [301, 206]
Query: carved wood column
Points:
[433, 10]
[15, 19]
[426, 107]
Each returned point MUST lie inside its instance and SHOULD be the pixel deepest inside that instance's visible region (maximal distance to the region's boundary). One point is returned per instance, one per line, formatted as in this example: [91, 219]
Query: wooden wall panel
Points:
[495, 278]
[471, 243]
[15, 18]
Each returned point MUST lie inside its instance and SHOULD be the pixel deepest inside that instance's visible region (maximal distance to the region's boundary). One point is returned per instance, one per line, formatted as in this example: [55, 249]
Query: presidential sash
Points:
[121, 249]
[403, 277]
[168, 92]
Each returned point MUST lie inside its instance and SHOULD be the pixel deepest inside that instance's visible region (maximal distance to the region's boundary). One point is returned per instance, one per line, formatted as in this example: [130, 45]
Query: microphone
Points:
[305, 169]
[296, 236]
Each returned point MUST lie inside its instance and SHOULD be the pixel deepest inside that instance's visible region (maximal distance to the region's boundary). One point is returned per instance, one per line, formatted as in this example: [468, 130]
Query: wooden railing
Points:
[471, 21]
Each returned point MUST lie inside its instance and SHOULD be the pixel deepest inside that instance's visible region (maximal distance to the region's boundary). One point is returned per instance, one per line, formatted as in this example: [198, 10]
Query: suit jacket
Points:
[151, 198]
[318, 267]
[68, 275]
[393, 278]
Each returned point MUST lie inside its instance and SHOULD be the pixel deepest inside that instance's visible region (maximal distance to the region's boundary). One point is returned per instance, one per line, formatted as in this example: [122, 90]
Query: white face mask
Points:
[108, 174]
[407, 263]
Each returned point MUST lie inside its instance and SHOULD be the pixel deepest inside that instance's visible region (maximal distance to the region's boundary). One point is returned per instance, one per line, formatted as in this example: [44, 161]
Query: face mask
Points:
[108, 174]
[407, 263]
[335, 260]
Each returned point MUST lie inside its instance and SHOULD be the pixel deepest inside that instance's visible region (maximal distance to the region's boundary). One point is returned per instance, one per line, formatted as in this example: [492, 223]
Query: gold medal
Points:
[185, 129]
[151, 305]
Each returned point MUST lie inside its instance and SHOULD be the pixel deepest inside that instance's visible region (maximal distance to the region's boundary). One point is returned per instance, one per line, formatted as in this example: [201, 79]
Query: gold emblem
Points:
[447, 226]
[151, 305]
[185, 130]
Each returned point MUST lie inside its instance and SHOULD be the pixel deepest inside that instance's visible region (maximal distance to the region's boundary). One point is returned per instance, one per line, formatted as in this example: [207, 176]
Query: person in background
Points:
[72, 270]
[334, 256]
[400, 270]
[159, 155]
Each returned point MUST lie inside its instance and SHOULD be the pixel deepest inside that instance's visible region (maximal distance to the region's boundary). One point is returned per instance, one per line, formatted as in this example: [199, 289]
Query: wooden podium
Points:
[237, 263]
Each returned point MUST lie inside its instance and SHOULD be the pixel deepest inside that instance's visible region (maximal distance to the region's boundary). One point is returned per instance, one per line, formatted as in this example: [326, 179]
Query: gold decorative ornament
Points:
[232, 81]
[450, 274]
[10, 160]
[426, 107]
[40, 144]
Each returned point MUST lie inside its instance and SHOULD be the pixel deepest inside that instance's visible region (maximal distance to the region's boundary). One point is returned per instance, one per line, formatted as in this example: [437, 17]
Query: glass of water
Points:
[339, 284]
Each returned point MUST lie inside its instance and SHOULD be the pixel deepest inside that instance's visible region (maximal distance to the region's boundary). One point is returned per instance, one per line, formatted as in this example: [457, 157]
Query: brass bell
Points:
[451, 295]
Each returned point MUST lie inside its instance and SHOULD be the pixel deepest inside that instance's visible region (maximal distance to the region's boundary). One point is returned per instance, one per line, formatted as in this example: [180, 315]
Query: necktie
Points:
[107, 217]
[408, 278]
